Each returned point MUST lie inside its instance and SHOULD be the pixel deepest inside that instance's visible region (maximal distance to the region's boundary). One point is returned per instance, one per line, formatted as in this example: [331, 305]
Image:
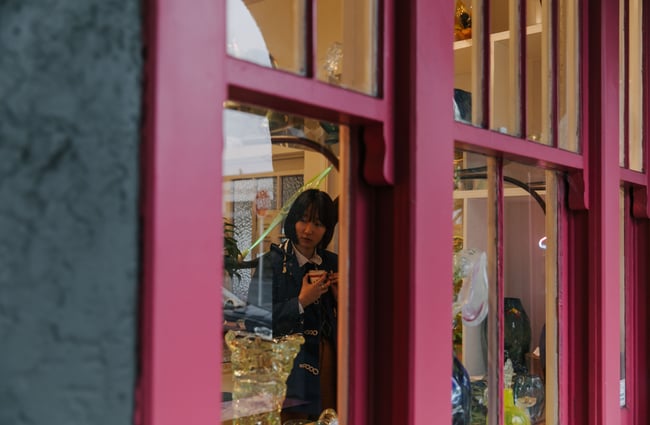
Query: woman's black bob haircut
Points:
[313, 203]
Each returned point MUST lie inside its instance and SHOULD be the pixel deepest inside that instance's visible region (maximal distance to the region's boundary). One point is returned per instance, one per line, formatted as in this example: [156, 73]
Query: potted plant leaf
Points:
[232, 255]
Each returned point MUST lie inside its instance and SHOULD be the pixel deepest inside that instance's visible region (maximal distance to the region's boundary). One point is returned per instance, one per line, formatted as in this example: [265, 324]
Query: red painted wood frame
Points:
[593, 181]
[637, 317]
[180, 351]
[636, 244]
[189, 76]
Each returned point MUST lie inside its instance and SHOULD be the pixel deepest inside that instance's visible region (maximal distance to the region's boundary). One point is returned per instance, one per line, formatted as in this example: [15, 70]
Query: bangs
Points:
[312, 212]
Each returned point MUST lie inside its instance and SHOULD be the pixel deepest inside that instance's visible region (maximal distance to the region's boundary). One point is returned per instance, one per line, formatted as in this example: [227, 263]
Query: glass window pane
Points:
[346, 44]
[268, 32]
[507, 81]
[505, 73]
[622, 84]
[636, 86]
[568, 97]
[631, 85]
[530, 287]
[623, 298]
[523, 305]
[474, 288]
[537, 74]
[280, 212]
[467, 62]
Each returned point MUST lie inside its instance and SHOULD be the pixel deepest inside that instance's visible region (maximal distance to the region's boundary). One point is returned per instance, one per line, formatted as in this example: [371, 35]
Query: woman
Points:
[301, 306]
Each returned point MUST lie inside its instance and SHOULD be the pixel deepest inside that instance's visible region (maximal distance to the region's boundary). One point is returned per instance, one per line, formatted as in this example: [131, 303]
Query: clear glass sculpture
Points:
[260, 367]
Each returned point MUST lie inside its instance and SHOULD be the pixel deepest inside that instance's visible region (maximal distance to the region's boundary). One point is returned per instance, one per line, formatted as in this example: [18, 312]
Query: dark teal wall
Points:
[70, 112]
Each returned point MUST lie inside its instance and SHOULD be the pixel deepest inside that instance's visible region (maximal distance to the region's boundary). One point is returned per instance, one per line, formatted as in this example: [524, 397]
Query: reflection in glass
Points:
[622, 297]
[631, 85]
[507, 80]
[568, 87]
[468, 62]
[529, 395]
[529, 267]
[279, 185]
[526, 297]
[505, 71]
[537, 94]
[471, 298]
[346, 44]
[273, 33]
[472, 282]
[270, 33]
[463, 57]
[260, 367]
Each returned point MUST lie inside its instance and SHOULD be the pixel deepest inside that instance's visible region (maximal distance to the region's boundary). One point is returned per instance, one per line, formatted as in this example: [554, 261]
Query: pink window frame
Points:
[188, 78]
[636, 246]
[593, 187]
[180, 371]
[637, 317]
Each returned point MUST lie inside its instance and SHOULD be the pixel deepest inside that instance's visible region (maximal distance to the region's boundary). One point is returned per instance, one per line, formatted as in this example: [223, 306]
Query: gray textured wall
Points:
[70, 109]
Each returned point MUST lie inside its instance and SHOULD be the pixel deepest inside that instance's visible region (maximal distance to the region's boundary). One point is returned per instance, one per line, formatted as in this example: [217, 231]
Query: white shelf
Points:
[483, 193]
[505, 35]
[462, 48]
[463, 53]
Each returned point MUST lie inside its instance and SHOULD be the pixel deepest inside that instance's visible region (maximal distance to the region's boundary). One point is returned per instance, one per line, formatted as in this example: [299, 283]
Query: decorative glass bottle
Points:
[261, 367]
[513, 415]
[516, 339]
[529, 395]
[461, 394]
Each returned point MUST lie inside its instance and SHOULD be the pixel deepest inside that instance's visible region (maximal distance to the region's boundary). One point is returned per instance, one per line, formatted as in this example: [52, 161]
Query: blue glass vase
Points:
[461, 394]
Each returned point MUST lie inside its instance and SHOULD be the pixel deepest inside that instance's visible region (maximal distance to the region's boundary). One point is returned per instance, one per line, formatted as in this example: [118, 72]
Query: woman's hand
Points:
[310, 292]
[334, 284]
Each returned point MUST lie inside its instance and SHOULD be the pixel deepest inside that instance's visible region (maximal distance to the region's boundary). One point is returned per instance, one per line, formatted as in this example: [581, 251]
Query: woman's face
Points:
[310, 232]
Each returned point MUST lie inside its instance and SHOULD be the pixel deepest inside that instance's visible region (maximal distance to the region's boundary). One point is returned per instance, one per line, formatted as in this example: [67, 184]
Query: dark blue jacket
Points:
[283, 276]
